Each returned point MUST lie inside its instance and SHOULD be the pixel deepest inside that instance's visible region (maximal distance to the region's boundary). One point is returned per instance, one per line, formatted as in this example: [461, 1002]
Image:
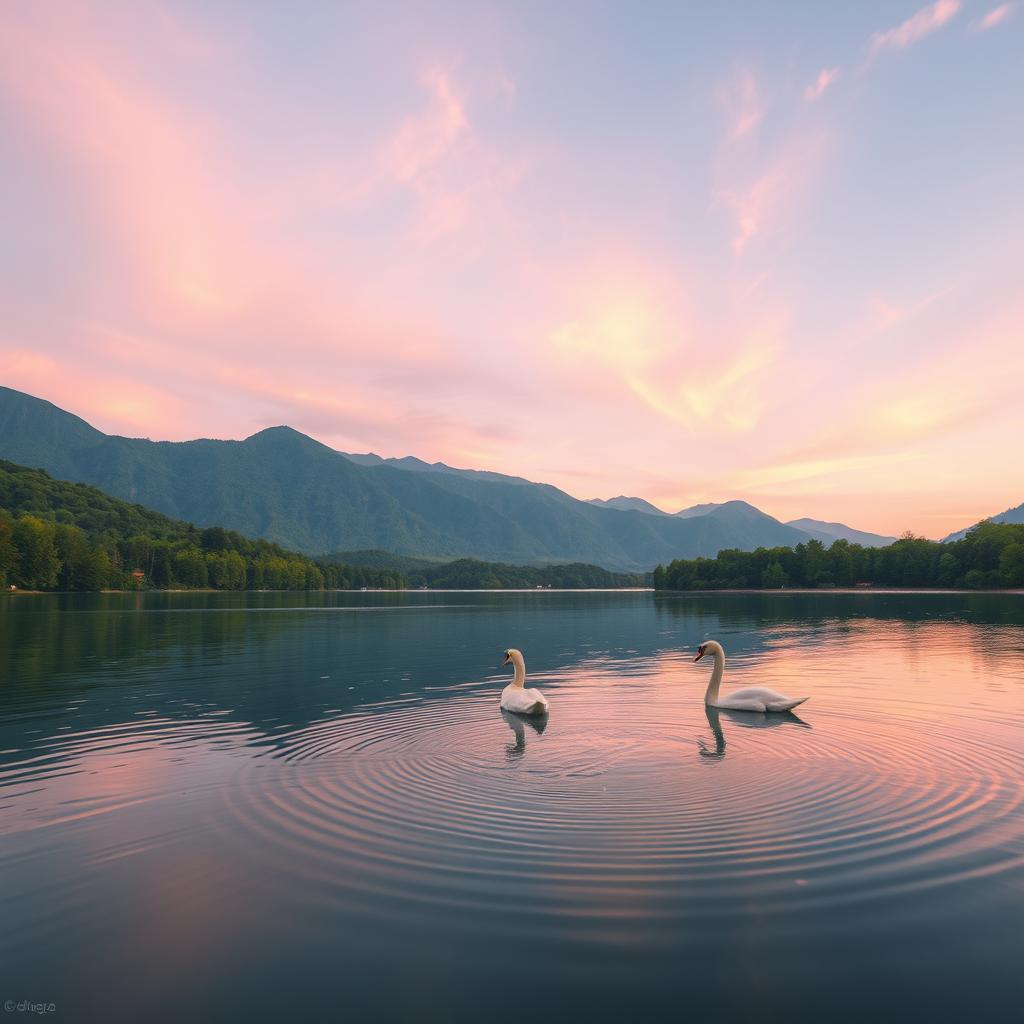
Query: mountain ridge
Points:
[281, 485]
[1010, 515]
[624, 503]
[828, 532]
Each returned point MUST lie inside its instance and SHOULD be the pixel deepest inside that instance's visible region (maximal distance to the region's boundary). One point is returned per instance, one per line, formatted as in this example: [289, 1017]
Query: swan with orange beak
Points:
[751, 698]
[515, 696]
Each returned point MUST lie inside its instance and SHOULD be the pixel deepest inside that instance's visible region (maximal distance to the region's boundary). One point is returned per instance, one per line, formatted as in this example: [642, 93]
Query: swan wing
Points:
[524, 702]
[786, 704]
[539, 703]
[734, 703]
[770, 699]
[755, 693]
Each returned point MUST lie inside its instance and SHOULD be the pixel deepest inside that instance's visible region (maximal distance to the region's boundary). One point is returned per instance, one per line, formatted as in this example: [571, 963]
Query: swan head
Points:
[712, 647]
[513, 656]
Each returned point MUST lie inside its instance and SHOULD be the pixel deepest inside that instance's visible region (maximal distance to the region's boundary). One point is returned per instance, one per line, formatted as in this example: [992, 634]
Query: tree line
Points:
[62, 536]
[471, 574]
[990, 556]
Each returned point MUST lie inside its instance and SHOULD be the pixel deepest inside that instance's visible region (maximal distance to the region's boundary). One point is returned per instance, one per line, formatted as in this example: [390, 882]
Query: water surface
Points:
[310, 807]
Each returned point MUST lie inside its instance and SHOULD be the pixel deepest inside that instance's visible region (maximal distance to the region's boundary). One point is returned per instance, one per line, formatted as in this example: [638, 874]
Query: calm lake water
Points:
[292, 807]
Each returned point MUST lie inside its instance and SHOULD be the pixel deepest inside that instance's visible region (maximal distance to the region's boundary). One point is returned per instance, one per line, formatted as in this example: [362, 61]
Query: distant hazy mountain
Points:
[625, 504]
[748, 521]
[1011, 515]
[698, 510]
[748, 526]
[286, 487]
[828, 532]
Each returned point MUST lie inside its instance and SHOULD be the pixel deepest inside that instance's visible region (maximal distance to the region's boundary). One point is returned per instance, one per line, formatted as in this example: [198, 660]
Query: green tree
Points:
[234, 571]
[948, 569]
[217, 570]
[215, 538]
[774, 577]
[8, 550]
[95, 570]
[813, 563]
[1011, 564]
[190, 568]
[840, 557]
[72, 550]
[38, 562]
[162, 570]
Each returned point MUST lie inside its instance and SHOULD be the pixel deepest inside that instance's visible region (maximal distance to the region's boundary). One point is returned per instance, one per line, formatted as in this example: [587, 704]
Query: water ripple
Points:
[618, 806]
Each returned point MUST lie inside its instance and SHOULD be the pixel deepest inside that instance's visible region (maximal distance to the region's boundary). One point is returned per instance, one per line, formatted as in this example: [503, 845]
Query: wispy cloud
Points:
[743, 103]
[997, 16]
[826, 76]
[916, 27]
[425, 138]
[635, 345]
[884, 314]
[766, 199]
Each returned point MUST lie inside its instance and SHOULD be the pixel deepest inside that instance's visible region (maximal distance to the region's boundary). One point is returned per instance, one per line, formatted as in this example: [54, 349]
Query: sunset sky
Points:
[690, 252]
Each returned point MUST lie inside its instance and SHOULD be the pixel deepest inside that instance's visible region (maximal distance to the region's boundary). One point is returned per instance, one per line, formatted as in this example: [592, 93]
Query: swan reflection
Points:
[519, 724]
[744, 720]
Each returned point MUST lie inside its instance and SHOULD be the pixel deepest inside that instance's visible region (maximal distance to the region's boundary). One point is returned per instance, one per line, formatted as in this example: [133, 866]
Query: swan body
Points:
[751, 698]
[515, 696]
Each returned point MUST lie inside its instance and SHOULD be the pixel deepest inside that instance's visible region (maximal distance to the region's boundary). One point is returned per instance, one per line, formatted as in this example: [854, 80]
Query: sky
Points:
[690, 252]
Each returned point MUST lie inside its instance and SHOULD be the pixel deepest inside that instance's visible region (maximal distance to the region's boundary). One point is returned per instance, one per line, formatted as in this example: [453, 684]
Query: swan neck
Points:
[520, 676]
[716, 677]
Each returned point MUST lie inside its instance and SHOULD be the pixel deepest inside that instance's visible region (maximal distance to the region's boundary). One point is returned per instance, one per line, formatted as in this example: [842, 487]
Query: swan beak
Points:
[507, 659]
[700, 654]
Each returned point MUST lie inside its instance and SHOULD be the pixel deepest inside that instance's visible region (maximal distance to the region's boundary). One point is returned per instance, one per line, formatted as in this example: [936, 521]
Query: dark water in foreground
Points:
[280, 807]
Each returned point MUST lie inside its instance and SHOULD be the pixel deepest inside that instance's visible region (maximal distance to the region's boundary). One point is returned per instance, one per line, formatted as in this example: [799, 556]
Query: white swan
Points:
[514, 697]
[752, 698]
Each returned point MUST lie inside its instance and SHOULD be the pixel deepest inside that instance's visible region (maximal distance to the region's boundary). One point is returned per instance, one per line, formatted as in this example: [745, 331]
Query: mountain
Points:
[470, 574]
[749, 521]
[410, 462]
[698, 510]
[36, 433]
[285, 487]
[829, 532]
[1011, 515]
[381, 560]
[746, 526]
[625, 504]
[75, 537]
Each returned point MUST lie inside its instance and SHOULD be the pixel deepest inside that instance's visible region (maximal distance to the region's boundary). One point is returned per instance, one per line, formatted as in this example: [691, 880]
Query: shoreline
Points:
[824, 591]
[848, 590]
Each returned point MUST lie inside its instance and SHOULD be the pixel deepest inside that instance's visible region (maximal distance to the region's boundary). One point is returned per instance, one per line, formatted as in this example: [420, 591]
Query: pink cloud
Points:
[424, 138]
[884, 314]
[826, 76]
[916, 27]
[763, 198]
[997, 16]
[742, 102]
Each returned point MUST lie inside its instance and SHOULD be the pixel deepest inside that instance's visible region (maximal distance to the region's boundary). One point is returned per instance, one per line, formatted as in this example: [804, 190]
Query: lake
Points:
[310, 807]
